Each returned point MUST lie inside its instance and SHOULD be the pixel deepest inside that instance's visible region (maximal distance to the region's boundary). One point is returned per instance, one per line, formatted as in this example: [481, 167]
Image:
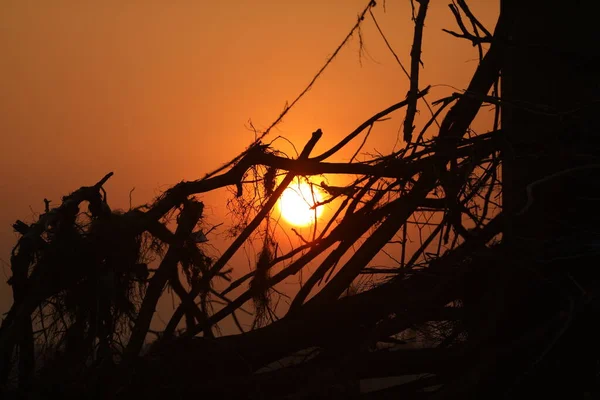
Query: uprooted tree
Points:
[504, 286]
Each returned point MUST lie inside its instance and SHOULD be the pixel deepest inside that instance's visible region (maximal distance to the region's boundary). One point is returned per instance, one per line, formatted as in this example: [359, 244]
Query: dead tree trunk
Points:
[550, 96]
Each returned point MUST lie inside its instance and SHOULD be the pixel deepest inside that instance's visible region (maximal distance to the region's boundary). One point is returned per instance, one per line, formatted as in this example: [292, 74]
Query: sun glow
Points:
[296, 202]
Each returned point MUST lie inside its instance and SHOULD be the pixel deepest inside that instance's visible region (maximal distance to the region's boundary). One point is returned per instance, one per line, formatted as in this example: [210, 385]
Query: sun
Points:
[296, 201]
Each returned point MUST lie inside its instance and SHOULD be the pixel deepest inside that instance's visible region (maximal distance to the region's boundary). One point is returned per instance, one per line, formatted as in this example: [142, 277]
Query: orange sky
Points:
[160, 91]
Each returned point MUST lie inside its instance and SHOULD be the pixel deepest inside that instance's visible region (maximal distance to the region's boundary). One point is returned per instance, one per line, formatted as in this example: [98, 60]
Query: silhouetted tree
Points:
[501, 297]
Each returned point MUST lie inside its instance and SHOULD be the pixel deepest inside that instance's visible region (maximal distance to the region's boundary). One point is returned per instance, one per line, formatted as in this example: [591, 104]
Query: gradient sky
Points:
[162, 91]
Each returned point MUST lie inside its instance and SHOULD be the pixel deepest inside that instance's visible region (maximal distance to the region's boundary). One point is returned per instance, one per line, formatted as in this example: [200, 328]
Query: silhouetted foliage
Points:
[499, 298]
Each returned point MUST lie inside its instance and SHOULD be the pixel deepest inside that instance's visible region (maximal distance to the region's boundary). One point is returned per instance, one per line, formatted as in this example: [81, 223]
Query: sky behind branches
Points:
[162, 91]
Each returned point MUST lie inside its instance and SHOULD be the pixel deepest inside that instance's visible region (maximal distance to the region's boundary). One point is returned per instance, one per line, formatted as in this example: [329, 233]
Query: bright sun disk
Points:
[296, 202]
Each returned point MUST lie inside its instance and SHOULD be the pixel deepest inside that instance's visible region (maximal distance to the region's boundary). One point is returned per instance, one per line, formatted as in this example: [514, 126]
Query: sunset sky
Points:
[162, 91]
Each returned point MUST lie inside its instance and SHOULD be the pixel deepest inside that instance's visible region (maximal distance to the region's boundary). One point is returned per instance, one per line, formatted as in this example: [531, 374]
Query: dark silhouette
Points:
[502, 292]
